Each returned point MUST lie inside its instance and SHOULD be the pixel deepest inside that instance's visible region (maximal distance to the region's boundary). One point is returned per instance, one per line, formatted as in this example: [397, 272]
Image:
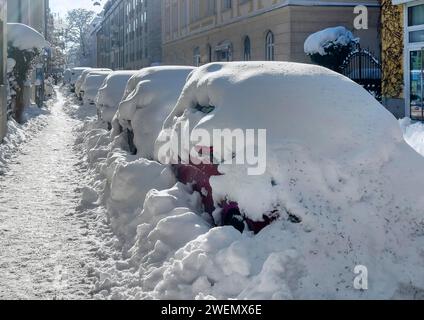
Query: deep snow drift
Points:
[336, 160]
[414, 134]
[34, 120]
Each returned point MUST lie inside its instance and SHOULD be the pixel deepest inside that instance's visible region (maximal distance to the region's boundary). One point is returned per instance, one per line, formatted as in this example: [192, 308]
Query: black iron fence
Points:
[363, 67]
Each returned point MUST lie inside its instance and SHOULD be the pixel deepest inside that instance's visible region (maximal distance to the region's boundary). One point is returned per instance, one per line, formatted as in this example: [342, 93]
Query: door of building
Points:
[416, 84]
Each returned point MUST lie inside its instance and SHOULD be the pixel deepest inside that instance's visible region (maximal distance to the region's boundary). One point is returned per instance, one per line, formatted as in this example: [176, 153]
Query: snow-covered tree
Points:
[24, 45]
[56, 38]
[76, 33]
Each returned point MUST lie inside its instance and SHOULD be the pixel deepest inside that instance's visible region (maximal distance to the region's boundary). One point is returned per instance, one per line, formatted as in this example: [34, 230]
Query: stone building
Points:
[403, 57]
[33, 13]
[199, 31]
[129, 36]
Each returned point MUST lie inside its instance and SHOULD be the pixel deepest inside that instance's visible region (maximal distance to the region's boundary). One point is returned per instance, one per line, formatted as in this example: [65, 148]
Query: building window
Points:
[269, 46]
[195, 7]
[226, 4]
[416, 15]
[209, 48]
[210, 9]
[247, 49]
[224, 51]
[196, 57]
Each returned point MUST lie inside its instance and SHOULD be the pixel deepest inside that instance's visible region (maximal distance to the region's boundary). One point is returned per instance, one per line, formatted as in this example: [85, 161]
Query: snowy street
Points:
[192, 150]
[45, 245]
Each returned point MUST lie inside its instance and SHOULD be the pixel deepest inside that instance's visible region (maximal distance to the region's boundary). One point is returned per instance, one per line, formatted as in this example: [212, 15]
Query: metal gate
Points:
[364, 68]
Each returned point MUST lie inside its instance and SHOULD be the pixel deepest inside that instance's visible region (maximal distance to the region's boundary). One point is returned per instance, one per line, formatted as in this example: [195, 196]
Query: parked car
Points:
[110, 94]
[75, 74]
[311, 117]
[149, 97]
[67, 74]
[82, 78]
[92, 83]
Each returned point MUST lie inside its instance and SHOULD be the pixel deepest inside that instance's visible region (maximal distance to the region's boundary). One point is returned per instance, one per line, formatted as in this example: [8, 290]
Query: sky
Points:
[63, 6]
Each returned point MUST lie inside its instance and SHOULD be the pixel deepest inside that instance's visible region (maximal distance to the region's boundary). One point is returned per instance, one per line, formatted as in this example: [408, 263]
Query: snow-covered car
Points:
[329, 141]
[92, 83]
[110, 94]
[67, 74]
[81, 80]
[75, 74]
[149, 97]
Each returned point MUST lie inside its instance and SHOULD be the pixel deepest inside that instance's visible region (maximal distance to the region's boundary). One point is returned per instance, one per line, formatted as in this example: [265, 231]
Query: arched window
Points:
[269, 46]
[196, 56]
[247, 49]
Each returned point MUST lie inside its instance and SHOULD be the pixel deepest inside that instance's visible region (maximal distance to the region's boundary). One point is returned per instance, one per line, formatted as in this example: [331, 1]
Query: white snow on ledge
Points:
[24, 37]
[321, 40]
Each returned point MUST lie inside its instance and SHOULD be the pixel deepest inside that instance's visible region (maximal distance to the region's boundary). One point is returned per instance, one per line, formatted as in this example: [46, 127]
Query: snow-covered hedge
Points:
[149, 97]
[24, 45]
[330, 47]
[111, 93]
[321, 41]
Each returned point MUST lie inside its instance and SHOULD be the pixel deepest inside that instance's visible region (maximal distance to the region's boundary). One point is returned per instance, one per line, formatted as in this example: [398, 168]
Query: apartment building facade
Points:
[403, 57]
[33, 13]
[200, 31]
[129, 36]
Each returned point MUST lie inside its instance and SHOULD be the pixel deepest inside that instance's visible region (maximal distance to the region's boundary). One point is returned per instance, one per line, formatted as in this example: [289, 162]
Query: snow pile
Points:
[413, 134]
[320, 41]
[92, 84]
[337, 170]
[125, 179]
[343, 171]
[24, 37]
[110, 94]
[34, 120]
[149, 97]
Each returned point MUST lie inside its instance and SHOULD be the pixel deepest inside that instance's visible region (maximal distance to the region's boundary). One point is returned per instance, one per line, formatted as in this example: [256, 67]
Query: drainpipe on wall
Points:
[3, 69]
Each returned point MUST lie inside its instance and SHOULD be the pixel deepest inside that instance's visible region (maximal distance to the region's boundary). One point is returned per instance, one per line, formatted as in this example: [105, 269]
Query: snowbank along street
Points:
[46, 243]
